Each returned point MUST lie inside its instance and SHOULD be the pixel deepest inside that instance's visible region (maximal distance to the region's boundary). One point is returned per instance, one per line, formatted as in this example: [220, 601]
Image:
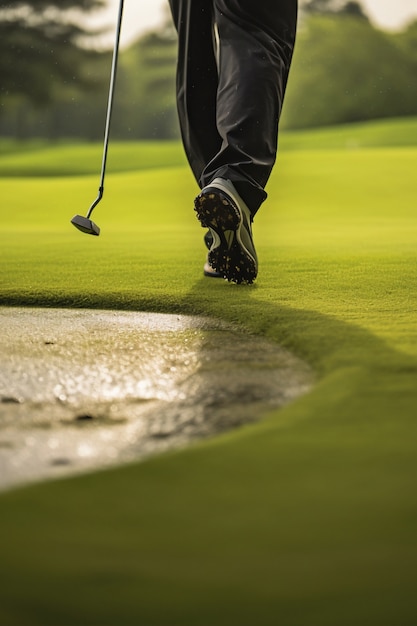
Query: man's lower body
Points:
[233, 62]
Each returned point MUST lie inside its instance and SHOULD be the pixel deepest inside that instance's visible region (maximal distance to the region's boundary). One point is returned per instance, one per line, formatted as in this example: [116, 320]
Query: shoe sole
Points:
[210, 273]
[228, 256]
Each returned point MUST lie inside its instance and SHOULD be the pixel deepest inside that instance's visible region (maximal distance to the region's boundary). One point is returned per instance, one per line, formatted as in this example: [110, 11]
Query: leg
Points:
[256, 44]
[196, 81]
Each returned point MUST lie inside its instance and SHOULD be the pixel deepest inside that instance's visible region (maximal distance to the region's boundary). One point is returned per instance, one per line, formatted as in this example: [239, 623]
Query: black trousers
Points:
[230, 93]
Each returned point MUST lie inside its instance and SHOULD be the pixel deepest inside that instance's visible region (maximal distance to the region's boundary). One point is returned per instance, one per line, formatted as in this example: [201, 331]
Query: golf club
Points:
[84, 223]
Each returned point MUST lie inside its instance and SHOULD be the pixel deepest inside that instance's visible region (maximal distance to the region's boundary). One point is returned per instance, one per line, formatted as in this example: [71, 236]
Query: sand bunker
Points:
[84, 389]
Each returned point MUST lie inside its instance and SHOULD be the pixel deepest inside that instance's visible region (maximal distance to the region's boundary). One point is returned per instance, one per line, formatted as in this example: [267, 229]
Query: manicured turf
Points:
[307, 518]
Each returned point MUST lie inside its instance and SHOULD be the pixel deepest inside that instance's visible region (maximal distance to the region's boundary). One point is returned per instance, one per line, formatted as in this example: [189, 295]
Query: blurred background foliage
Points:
[54, 83]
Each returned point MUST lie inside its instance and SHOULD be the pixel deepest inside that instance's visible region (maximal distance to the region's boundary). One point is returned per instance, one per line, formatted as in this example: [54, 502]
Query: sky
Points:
[142, 15]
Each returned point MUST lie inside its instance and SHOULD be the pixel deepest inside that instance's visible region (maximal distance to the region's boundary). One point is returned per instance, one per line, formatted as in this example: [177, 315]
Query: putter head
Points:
[85, 225]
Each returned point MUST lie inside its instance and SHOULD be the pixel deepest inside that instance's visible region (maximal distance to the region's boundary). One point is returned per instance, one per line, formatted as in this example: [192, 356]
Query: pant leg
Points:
[256, 45]
[197, 80]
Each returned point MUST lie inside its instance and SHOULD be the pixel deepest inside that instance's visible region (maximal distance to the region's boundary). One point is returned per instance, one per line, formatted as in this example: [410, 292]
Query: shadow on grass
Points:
[353, 366]
[325, 342]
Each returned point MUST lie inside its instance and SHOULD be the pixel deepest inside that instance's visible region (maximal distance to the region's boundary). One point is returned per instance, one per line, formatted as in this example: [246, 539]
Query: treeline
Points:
[344, 70]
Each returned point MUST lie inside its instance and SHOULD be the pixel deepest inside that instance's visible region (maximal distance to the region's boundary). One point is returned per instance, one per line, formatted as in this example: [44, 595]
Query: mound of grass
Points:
[40, 158]
[35, 159]
[305, 518]
[385, 133]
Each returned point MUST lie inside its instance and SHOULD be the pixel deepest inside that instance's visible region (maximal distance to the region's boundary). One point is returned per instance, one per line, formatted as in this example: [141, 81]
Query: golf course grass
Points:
[307, 518]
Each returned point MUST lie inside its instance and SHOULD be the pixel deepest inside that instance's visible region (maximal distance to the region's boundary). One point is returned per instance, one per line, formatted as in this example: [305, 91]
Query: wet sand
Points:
[85, 389]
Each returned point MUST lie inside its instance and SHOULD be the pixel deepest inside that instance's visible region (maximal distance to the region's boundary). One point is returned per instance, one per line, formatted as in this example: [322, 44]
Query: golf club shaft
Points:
[109, 107]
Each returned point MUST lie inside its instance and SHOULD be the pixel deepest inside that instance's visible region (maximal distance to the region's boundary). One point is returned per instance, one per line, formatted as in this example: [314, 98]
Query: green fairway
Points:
[305, 519]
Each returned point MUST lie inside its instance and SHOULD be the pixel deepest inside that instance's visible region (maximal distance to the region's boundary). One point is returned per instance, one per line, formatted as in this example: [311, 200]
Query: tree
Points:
[354, 9]
[145, 103]
[345, 70]
[407, 40]
[40, 47]
[335, 7]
